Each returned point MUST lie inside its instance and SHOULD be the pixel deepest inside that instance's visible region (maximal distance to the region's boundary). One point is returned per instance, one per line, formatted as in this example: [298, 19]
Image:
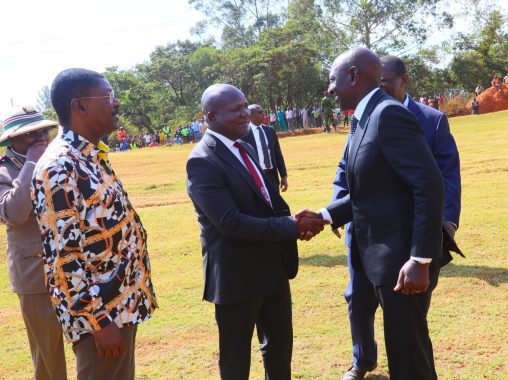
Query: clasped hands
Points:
[309, 224]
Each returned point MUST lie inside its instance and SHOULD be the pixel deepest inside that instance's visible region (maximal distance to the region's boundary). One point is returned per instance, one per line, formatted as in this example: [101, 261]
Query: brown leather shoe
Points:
[357, 373]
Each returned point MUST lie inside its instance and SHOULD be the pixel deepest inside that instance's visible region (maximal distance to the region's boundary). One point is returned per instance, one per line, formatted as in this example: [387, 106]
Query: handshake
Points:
[309, 224]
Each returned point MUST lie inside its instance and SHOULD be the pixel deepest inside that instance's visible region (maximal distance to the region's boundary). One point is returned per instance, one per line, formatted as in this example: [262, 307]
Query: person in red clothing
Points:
[121, 134]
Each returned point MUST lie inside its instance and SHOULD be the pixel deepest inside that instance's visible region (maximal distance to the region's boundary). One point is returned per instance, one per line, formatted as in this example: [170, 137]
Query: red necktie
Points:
[254, 174]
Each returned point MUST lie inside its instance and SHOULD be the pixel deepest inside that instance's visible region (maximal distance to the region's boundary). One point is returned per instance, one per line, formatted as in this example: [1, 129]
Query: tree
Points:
[384, 25]
[241, 21]
[44, 104]
[480, 54]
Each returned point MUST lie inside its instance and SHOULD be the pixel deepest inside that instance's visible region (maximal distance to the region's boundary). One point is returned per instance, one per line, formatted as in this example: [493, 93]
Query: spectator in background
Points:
[475, 107]
[346, 119]
[161, 137]
[318, 116]
[305, 118]
[505, 79]
[273, 119]
[195, 130]
[440, 101]
[179, 136]
[167, 134]
[283, 127]
[297, 116]
[186, 134]
[148, 139]
[327, 106]
[479, 89]
[496, 82]
[310, 114]
[289, 118]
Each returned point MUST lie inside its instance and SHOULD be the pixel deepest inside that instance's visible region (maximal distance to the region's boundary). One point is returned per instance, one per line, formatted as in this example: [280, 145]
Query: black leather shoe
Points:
[358, 373]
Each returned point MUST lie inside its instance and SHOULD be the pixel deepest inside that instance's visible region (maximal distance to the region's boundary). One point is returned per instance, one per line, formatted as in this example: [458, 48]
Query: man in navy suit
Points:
[394, 200]
[361, 299]
[265, 142]
[248, 240]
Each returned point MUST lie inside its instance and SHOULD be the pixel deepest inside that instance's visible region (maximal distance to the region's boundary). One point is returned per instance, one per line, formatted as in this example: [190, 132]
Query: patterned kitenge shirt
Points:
[96, 263]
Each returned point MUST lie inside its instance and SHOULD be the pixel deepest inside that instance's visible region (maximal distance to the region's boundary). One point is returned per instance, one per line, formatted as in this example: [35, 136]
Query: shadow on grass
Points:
[324, 260]
[377, 377]
[493, 276]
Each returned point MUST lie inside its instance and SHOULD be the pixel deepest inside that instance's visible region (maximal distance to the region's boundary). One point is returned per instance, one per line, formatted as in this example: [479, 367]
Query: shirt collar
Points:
[406, 101]
[360, 108]
[77, 141]
[229, 143]
[252, 126]
[12, 152]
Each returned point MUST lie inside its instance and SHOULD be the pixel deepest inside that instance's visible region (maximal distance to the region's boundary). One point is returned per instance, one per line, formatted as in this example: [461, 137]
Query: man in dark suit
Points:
[248, 240]
[361, 298]
[266, 145]
[395, 204]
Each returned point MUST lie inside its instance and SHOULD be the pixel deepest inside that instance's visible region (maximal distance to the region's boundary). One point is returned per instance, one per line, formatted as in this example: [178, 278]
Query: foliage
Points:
[384, 25]
[278, 52]
[481, 54]
[44, 104]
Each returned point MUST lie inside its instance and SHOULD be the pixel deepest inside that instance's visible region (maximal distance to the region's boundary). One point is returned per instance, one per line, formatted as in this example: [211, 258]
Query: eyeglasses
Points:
[110, 98]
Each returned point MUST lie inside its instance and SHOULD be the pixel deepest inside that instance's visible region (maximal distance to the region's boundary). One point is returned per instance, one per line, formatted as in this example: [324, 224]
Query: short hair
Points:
[395, 64]
[69, 84]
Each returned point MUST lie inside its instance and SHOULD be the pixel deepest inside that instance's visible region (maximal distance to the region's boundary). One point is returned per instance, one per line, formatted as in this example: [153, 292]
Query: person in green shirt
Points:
[327, 106]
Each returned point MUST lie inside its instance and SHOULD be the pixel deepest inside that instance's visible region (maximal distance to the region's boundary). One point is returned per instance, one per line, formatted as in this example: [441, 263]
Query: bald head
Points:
[353, 75]
[226, 110]
[217, 95]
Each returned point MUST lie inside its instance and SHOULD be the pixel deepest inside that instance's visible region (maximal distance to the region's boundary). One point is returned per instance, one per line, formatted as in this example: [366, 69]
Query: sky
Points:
[38, 39]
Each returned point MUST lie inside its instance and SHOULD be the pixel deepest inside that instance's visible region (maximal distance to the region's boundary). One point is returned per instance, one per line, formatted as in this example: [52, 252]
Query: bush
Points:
[455, 106]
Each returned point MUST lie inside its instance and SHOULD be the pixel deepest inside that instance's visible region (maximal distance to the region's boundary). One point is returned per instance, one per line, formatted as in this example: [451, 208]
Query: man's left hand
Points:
[413, 278]
[283, 184]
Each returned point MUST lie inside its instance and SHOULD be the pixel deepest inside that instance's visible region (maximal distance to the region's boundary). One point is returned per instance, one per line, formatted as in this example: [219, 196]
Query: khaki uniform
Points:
[25, 265]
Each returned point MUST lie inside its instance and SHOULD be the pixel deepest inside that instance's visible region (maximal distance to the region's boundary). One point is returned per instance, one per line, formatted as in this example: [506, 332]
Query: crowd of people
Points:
[184, 134]
[324, 116]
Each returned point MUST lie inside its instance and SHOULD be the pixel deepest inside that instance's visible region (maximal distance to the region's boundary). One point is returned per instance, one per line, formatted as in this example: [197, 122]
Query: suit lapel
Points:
[229, 158]
[363, 124]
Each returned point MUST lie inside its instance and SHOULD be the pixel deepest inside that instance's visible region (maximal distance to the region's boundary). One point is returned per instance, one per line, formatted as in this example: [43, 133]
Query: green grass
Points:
[469, 312]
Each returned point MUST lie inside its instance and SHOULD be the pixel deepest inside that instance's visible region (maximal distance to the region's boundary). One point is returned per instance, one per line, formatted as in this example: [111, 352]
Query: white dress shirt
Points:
[256, 134]
[230, 144]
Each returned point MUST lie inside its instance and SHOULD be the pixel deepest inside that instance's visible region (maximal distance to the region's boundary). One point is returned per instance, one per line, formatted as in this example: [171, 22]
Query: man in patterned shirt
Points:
[95, 257]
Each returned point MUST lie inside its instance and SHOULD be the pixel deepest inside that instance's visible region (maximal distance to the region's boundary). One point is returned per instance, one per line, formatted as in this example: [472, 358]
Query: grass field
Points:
[469, 313]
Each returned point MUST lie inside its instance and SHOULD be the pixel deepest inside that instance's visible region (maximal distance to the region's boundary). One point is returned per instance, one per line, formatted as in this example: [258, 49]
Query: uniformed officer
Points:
[25, 132]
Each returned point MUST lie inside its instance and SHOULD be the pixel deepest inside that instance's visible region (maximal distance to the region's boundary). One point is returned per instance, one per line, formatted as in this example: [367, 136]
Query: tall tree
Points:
[480, 54]
[385, 25]
[241, 21]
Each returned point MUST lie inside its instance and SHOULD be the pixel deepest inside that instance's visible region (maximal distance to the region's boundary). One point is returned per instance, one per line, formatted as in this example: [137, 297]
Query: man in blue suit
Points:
[359, 294]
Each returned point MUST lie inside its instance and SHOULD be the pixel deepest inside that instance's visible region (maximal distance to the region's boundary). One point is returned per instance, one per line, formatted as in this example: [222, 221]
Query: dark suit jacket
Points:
[395, 197]
[274, 148]
[249, 249]
[444, 149]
